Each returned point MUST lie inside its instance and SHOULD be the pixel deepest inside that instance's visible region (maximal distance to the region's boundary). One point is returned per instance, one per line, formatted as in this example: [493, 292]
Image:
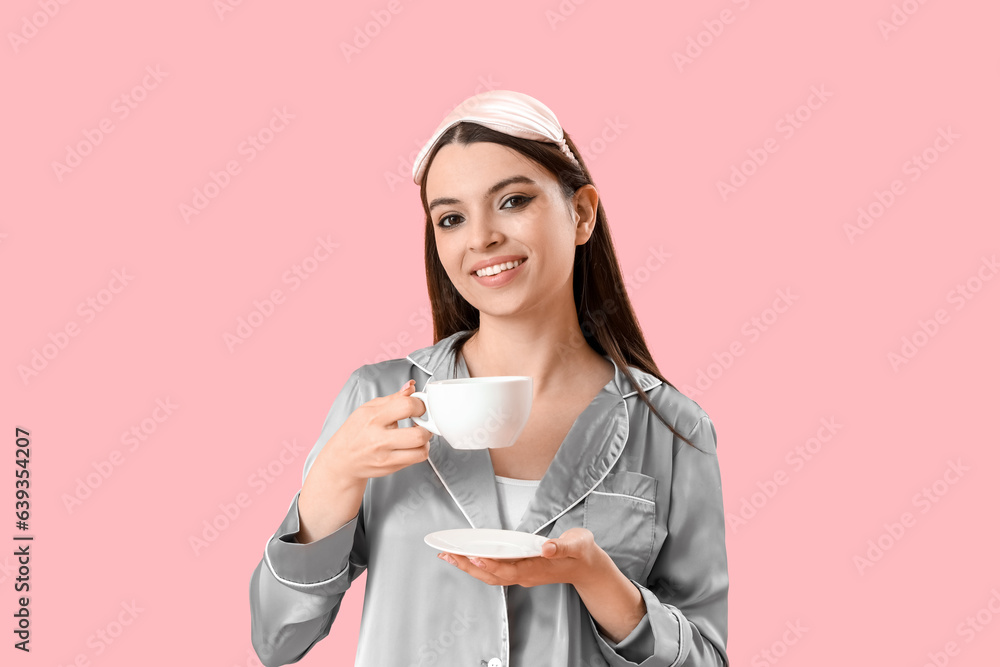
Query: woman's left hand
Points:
[572, 558]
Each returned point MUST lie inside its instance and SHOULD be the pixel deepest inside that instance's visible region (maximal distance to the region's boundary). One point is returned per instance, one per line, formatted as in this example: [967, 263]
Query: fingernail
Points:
[476, 562]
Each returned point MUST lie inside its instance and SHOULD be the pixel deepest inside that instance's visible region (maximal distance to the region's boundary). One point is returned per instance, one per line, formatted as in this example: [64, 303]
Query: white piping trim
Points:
[506, 629]
[577, 501]
[434, 467]
[418, 365]
[655, 384]
[267, 559]
[446, 488]
[680, 638]
[623, 495]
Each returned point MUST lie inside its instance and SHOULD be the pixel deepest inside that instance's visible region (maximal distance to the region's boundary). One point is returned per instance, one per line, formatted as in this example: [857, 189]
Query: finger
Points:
[554, 549]
[568, 545]
[462, 563]
[408, 438]
[501, 569]
[405, 390]
[401, 458]
[398, 407]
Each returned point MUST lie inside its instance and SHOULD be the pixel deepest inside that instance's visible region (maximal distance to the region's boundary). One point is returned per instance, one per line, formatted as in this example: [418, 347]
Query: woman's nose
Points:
[483, 232]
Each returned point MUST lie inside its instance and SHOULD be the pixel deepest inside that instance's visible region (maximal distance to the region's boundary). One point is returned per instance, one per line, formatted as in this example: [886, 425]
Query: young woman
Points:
[615, 466]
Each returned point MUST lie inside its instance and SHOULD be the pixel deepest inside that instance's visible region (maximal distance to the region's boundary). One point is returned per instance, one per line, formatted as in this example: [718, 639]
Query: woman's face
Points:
[488, 201]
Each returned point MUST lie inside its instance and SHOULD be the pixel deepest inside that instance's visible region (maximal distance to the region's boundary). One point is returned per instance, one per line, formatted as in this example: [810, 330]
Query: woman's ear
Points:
[584, 207]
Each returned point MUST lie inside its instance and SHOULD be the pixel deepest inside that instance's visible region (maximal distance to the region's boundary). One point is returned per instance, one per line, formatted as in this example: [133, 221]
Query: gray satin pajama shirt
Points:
[653, 502]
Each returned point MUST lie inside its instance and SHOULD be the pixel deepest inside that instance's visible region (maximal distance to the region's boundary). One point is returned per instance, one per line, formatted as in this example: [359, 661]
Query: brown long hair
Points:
[603, 308]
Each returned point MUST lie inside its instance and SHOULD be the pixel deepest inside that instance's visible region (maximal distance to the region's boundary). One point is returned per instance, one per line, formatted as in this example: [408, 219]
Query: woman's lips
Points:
[502, 278]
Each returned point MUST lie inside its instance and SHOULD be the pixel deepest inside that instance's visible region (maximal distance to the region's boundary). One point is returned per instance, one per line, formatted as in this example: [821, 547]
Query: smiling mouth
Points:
[494, 270]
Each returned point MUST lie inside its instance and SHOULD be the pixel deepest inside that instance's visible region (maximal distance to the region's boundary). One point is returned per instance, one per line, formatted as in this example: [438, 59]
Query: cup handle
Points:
[425, 419]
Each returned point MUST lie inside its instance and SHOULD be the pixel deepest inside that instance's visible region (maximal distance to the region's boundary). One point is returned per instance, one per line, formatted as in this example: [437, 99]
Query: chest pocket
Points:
[621, 513]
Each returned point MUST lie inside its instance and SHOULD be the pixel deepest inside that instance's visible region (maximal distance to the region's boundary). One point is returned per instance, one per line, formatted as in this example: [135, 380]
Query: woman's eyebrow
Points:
[499, 185]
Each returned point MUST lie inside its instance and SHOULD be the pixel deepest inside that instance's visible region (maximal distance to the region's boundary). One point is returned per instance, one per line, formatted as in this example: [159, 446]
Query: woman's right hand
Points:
[371, 444]
[368, 444]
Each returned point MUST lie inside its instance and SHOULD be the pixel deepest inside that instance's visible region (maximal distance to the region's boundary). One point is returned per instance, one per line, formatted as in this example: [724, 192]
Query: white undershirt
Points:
[514, 496]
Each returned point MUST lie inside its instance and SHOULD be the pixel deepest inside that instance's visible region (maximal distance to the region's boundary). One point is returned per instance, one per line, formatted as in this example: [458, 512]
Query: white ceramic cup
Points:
[476, 413]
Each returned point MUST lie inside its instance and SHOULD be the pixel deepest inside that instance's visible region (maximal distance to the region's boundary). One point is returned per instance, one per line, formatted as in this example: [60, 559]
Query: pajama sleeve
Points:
[296, 589]
[687, 591]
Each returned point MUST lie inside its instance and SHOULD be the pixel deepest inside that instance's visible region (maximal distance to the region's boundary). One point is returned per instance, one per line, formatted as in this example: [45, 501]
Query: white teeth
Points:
[497, 268]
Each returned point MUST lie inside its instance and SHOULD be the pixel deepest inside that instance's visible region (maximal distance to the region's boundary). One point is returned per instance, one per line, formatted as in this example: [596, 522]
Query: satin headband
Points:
[505, 111]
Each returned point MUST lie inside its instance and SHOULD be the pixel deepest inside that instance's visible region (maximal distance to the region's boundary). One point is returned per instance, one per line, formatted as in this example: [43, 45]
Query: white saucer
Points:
[487, 542]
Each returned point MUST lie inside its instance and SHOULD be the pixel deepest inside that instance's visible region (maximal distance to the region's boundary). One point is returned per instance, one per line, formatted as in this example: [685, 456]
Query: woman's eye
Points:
[518, 200]
[524, 199]
[444, 219]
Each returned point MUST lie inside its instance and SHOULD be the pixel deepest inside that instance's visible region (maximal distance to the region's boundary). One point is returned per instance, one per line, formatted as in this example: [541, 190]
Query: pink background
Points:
[660, 136]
